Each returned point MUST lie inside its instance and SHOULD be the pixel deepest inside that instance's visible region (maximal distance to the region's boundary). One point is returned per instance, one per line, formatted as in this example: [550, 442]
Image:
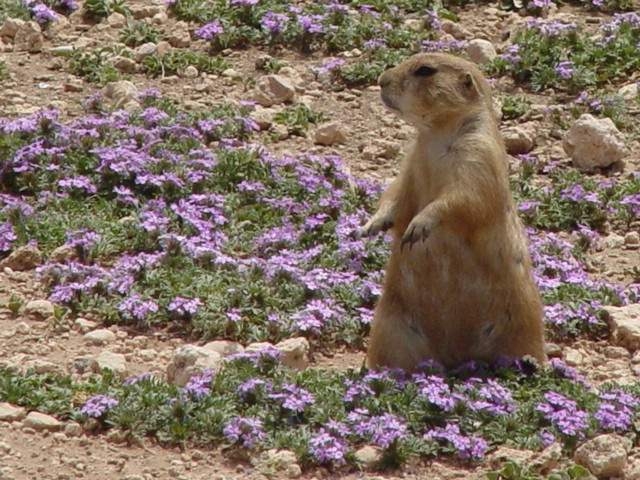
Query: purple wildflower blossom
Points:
[80, 182]
[244, 430]
[43, 14]
[467, 447]
[7, 236]
[512, 54]
[135, 307]
[564, 414]
[199, 386]
[327, 448]
[185, 306]
[616, 410]
[293, 398]
[274, 22]
[330, 66]
[311, 23]
[564, 69]
[209, 31]
[98, 405]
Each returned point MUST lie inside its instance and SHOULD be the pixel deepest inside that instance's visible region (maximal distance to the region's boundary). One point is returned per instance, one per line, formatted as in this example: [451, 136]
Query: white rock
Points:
[23, 258]
[274, 90]
[145, 50]
[604, 456]
[594, 142]
[257, 347]
[191, 360]
[179, 37]
[9, 413]
[115, 362]
[520, 139]
[39, 421]
[11, 26]
[62, 254]
[73, 429]
[124, 64]
[29, 38]
[481, 51]
[263, 117]
[613, 240]
[39, 308]
[40, 366]
[295, 353]
[224, 347]
[632, 239]
[123, 93]
[625, 323]
[83, 325]
[369, 456]
[116, 20]
[100, 337]
[276, 460]
[330, 134]
[630, 92]
[190, 72]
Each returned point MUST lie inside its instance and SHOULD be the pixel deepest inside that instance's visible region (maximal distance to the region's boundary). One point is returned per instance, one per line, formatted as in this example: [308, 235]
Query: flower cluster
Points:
[467, 447]
[98, 405]
[564, 414]
[244, 430]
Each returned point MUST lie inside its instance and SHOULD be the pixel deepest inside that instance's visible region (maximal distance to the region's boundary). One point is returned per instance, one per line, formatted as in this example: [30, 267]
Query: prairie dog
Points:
[459, 284]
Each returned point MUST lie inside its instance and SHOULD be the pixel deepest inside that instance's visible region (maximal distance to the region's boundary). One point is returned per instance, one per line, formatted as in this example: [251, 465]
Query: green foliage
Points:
[138, 33]
[545, 46]
[515, 471]
[175, 62]
[298, 118]
[515, 106]
[367, 70]
[96, 10]
[94, 66]
[4, 70]
[13, 9]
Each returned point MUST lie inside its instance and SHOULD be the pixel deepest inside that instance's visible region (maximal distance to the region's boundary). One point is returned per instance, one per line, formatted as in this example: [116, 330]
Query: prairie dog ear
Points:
[470, 85]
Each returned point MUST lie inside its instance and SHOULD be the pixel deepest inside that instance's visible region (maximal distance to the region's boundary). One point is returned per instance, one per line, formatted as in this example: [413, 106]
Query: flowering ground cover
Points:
[196, 222]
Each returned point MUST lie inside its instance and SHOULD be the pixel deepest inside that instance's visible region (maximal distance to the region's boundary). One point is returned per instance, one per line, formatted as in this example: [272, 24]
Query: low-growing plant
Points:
[14, 9]
[96, 10]
[298, 118]
[551, 54]
[95, 65]
[515, 106]
[255, 404]
[176, 62]
[137, 33]
[4, 70]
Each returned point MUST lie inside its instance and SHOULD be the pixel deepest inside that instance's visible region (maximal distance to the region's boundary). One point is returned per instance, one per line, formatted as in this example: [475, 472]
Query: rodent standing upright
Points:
[459, 283]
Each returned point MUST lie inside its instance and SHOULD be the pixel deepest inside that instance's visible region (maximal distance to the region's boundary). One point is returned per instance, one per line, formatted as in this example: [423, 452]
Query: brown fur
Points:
[458, 285]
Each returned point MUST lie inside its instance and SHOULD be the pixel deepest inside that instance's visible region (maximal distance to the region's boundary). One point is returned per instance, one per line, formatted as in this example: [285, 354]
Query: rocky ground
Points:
[359, 130]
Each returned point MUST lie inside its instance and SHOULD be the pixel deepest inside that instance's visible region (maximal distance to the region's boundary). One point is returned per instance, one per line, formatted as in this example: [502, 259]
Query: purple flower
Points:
[245, 430]
[82, 239]
[199, 386]
[311, 23]
[43, 14]
[564, 69]
[244, 2]
[80, 182]
[98, 405]
[436, 391]
[185, 306]
[327, 448]
[293, 398]
[330, 65]
[552, 28]
[7, 236]
[512, 54]
[541, 4]
[386, 429]
[467, 447]
[564, 414]
[209, 31]
[135, 307]
[616, 410]
[274, 22]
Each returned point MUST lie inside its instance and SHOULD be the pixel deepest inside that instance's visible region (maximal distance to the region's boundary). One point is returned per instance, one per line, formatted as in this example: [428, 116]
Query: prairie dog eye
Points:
[425, 71]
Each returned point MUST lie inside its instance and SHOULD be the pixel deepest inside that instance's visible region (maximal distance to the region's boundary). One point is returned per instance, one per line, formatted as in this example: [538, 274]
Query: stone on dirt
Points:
[39, 422]
[29, 38]
[116, 362]
[224, 347]
[274, 90]
[604, 456]
[39, 308]
[11, 26]
[625, 324]
[23, 258]
[11, 413]
[189, 361]
[330, 134]
[123, 94]
[100, 337]
[369, 456]
[520, 139]
[295, 353]
[481, 51]
[83, 325]
[594, 142]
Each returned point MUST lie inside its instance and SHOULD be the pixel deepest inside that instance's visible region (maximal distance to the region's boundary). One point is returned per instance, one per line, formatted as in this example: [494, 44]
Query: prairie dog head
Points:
[433, 89]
